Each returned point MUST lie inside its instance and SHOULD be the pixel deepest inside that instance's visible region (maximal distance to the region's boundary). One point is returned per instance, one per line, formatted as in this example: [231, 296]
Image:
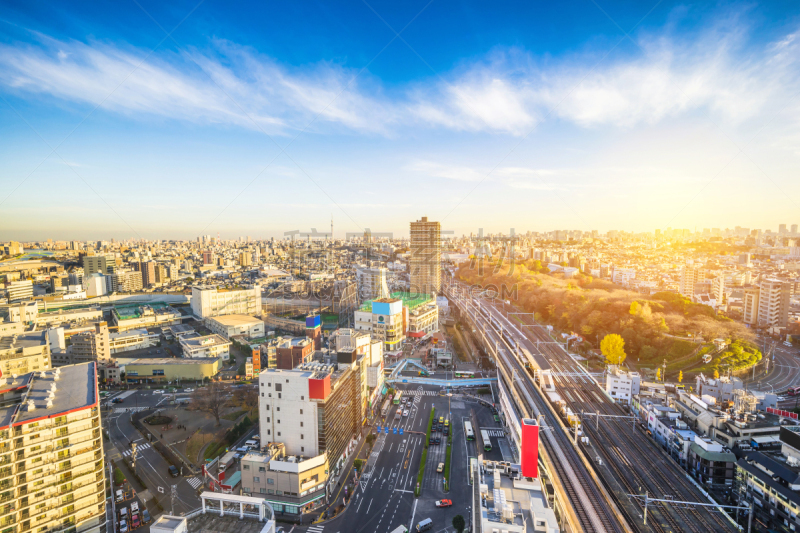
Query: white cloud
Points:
[717, 73]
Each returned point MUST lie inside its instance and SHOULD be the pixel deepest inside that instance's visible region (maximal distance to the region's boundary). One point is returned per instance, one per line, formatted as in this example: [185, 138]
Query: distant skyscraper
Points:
[426, 256]
[93, 264]
[782, 228]
[208, 258]
[690, 274]
[794, 229]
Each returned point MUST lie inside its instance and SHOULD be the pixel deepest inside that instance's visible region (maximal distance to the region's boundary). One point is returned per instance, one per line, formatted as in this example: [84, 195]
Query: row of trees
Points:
[217, 396]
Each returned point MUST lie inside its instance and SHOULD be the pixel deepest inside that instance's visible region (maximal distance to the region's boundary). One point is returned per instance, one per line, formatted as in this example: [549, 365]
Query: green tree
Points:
[613, 348]
[459, 523]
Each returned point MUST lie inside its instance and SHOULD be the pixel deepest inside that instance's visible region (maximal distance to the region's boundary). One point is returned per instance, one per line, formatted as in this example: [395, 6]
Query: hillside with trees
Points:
[654, 327]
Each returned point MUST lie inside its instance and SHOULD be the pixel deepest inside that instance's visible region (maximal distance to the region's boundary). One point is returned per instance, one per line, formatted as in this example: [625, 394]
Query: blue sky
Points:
[144, 120]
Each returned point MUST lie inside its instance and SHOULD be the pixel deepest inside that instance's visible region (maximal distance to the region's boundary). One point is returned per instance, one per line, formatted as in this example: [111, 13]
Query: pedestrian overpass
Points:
[472, 382]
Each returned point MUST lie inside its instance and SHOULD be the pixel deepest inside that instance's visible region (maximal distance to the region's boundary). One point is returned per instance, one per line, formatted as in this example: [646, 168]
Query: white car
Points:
[188, 390]
[159, 391]
[123, 526]
[134, 507]
[405, 413]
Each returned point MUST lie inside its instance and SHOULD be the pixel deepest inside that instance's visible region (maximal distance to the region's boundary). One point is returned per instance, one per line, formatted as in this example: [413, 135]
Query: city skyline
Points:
[203, 120]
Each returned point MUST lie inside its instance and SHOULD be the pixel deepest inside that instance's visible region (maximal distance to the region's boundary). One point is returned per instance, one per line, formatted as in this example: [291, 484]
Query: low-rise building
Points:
[134, 339]
[145, 316]
[292, 484]
[93, 345]
[207, 346]
[169, 369]
[291, 353]
[622, 385]
[711, 463]
[231, 325]
[23, 353]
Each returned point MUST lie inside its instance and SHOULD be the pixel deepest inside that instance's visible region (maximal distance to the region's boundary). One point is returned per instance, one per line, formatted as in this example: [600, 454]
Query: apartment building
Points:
[87, 346]
[52, 475]
[209, 346]
[12, 248]
[210, 301]
[314, 409]
[750, 306]
[773, 303]
[691, 275]
[17, 291]
[148, 271]
[622, 385]
[293, 352]
[711, 463]
[425, 257]
[291, 484]
[20, 352]
[126, 281]
[95, 264]
[423, 317]
[19, 312]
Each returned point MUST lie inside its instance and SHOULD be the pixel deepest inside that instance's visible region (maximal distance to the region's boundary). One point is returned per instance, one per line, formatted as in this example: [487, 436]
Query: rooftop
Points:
[171, 361]
[52, 392]
[235, 320]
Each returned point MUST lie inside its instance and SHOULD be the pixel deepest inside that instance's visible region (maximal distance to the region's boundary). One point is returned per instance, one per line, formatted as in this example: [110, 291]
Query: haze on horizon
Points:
[151, 121]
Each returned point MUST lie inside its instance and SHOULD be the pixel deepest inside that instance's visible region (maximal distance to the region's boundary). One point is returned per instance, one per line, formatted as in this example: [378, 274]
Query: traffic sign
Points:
[394, 431]
[401, 431]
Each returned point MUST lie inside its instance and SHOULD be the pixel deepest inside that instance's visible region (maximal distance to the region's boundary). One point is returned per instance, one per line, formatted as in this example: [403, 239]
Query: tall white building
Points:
[209, 301]
[773, 303]
[691, 274]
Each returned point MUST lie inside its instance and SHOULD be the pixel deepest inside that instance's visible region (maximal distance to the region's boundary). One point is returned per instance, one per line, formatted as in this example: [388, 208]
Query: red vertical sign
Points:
[530, 448]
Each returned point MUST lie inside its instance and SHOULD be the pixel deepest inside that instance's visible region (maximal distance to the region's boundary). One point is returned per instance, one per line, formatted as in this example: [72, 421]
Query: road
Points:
[783, 372]
[151, 467]
[384, 497]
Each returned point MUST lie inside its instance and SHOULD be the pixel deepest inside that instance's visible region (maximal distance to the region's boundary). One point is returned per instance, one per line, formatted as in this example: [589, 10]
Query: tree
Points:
[680, 376]
[636, 308]
[658, 374]
[613, 348]
[246, 398]
[459, 523]
[211, 399]
[716, 374]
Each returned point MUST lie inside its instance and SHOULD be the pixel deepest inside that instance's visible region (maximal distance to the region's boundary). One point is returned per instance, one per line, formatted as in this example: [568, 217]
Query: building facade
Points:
[209, 301]
[52, 474]
[425, 261]
[205, 347]
[230, 325]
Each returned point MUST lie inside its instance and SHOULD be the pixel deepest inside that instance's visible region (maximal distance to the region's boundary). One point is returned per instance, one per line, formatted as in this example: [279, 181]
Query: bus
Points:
[463, 374]
[794, 391]
[487, 443]
[468, 431]
[397, 396]
[385, 408]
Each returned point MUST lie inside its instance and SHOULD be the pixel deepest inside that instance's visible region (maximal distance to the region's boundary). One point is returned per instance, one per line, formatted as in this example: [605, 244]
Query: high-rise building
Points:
[794, 229]
[51, 452]
[148, 271]
[124, 281]
[208, 301]
[93, 264]
[744, 259]
[718, 288]
[22, 352]
[426, 257]
[750, 306]
[690, 275]
[245, 258]
[208, 257]
[782, 228]
[773, 303]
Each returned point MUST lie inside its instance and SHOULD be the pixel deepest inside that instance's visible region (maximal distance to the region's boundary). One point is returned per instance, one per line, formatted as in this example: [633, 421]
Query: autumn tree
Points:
[211, 399]
[246, 398]
[613, 348]
[716, 374]
[680, 376]
[658, 374]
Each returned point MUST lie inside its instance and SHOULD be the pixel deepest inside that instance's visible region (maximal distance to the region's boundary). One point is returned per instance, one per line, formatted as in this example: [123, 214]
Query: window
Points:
[158, 372]
[278, 421]
[270, 481]
[279, 433]
[262, 394]
[301, 411]
[302, 397]
[301, 436]
[268, 432]
[270, 491]
[279, 395]
[245, 467]
[301, 424]
[267, 419]
[256, 479]
[267, 407]
[277, 408]
[302, 448]
[262, 490]
[278, 387]
[262, 469]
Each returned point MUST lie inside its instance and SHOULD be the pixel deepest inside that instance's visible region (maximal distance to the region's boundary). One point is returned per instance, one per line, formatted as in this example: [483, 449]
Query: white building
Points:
[371, 283]
[622, 385]
[205, 347]
[19, 290]
[96, 285]
[210, 301]
[231, 325]
[134, 339]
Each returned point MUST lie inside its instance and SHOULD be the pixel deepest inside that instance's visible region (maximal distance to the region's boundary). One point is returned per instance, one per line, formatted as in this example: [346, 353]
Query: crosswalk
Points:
[195, 482]
[420, 393]
[315, 529]
[496, 432]
[118, 410]
[139, 448]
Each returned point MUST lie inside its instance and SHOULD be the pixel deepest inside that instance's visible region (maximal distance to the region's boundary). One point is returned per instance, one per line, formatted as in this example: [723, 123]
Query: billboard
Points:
[313, 321]
[529, 453]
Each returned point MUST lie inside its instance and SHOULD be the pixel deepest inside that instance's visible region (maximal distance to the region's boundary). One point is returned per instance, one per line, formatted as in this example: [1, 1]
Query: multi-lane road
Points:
[384, 497]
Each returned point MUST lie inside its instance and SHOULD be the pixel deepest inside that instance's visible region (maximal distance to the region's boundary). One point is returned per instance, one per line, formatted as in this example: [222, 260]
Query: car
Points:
[119, 496]
[441, 420]
[123, 526]
[446, 431]
[145, 516]
[134, 506]
[158, 391]
[135, 521]
[405, 413]
[173, 471]
[123, 513]
[496, 418]
[188, 390]
[117, 400]
[440, 468]
[446, 423]
[444, 503]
